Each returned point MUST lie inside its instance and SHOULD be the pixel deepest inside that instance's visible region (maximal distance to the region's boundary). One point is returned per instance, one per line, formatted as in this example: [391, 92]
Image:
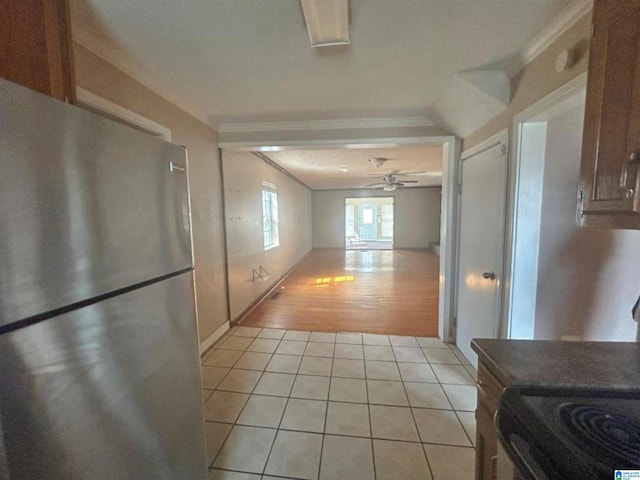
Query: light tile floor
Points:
[311, 405]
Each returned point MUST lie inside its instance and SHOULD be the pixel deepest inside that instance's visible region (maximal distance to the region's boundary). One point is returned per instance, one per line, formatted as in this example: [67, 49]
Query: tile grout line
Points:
[415, 423]
[286, 404]
[326, 416]
[385, 439]
[366, 384]
[226, 437]
[465, 430]
[327, 401]
[243, 407]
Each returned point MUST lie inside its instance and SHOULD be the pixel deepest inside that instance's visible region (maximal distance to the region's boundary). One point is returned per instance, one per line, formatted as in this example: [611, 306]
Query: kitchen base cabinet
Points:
[548, 364]
[486, 445]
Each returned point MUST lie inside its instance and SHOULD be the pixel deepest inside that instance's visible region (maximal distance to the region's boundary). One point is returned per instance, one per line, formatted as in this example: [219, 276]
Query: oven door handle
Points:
[519, 452]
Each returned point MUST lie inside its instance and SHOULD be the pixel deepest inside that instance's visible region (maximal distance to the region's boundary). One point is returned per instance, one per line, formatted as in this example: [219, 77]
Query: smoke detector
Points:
[377, 161]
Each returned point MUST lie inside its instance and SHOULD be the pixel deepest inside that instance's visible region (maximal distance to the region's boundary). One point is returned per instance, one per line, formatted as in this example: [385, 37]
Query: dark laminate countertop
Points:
[562, 364]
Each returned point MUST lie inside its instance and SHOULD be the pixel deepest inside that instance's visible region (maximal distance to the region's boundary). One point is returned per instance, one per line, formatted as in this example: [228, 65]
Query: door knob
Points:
[489, 275]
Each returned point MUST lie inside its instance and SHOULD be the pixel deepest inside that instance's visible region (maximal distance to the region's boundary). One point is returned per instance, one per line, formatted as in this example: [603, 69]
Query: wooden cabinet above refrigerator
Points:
[35, 46]
[609, 190]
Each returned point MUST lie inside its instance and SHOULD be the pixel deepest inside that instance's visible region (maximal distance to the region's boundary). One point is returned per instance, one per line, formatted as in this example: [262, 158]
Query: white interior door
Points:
[480, 254]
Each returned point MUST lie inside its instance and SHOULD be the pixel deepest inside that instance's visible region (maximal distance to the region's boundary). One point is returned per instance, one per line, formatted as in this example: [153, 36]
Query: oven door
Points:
[506, 469]
[517, 458]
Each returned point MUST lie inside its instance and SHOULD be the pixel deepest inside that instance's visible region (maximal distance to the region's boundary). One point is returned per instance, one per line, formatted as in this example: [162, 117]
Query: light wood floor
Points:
[393, 292]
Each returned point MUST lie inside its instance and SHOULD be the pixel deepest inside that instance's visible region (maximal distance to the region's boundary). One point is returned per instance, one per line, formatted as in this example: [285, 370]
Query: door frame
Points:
[553, 100]
[451, 147]
[500, 138]
[374, 217]
[369, 195]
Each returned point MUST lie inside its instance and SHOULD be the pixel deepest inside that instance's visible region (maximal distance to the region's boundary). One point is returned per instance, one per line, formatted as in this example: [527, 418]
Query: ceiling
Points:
[338, 169]
[235, 61]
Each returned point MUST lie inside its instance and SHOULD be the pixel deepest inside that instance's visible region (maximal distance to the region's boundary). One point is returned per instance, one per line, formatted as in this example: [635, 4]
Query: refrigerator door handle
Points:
[174, 167]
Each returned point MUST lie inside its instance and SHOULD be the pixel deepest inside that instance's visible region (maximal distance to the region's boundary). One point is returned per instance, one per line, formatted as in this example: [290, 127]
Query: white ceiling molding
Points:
[346, 143]
[401, 122]
[128, 67]
[563, 22]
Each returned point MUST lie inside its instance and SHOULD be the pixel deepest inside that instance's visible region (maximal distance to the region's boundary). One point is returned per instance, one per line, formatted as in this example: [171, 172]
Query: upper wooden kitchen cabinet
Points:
[35, 46]
[609, 191]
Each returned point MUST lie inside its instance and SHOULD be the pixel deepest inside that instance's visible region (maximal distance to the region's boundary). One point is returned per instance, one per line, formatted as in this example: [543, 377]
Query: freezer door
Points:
[87, 205]
[110, 391]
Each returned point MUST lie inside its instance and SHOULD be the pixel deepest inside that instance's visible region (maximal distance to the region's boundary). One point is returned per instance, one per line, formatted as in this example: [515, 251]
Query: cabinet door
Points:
[610, 185]
[36, 46]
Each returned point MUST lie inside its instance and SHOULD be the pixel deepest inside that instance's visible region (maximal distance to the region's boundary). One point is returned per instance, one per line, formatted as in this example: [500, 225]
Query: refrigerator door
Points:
[109, 391]
[87, 205]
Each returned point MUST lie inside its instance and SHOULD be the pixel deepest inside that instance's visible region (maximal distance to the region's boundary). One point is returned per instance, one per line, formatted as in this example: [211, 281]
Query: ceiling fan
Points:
[390, 183]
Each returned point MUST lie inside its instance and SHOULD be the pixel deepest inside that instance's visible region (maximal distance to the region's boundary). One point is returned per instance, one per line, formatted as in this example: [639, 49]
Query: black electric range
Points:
[567, 433]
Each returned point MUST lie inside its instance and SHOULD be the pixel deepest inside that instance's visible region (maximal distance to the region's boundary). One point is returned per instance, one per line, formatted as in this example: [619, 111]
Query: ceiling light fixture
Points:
[377, 161]
[389, 187]
[327, 22]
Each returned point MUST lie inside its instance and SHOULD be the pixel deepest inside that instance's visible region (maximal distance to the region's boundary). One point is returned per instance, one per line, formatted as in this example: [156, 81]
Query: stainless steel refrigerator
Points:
[99, 362]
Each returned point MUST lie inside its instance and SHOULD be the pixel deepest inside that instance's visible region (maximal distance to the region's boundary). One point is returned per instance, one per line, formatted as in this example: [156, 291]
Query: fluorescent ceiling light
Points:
[327, 22]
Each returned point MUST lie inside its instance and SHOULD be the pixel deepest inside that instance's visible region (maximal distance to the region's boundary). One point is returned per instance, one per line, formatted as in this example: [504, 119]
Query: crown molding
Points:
[400, 122]
[563, 22]
[345, 143]
[125, 65]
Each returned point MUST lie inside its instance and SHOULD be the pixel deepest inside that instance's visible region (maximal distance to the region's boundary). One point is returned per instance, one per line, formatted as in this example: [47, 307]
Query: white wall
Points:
[244, 174]
[417, 216]
[588, 278]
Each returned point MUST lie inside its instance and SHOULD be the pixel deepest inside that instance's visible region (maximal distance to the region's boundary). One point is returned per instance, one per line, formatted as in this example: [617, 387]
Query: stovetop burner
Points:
[571, 433]
[607, 436]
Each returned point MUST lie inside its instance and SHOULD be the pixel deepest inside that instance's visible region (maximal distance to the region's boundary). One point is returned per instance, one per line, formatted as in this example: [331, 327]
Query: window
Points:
[270, 216]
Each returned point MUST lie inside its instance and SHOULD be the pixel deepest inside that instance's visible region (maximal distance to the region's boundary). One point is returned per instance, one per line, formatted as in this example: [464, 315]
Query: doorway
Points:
[547, 140]
[369, 223]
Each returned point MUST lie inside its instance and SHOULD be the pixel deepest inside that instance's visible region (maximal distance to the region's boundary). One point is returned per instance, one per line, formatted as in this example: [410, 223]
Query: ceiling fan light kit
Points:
[377, 161]
[327, 22]
[390, 183]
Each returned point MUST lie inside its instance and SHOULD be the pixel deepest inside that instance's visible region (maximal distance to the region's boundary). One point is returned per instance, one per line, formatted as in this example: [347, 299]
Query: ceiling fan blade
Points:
[410, 181]
[373, 184]
[411, 173]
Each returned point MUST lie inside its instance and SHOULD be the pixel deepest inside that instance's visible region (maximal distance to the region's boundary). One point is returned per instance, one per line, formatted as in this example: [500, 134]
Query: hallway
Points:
[392, 292]
[312, 405]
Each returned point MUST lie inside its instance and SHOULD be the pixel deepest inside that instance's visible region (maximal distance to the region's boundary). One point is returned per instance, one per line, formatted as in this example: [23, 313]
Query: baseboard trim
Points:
[214, 337]
[255, 304]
